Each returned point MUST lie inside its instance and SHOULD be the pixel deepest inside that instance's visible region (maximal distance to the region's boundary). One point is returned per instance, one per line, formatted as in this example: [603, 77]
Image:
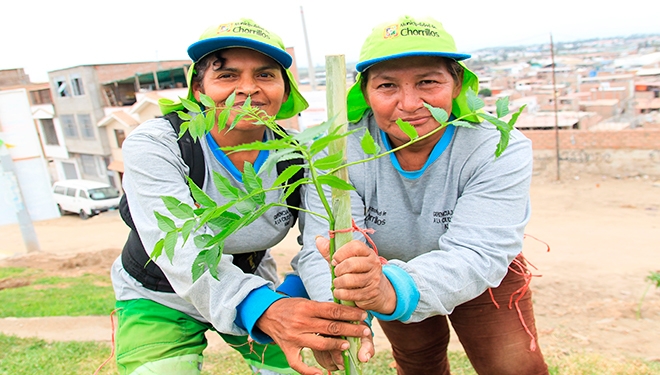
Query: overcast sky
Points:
[45, 35]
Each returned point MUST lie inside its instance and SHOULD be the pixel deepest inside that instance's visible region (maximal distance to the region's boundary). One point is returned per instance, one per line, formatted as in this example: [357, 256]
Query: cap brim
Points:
[364, 65]
[203, 47]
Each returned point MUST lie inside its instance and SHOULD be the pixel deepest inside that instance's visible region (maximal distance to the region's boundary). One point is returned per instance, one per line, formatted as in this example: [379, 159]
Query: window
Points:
[69, 126]
[49, 134]
[88, 164]
[120, 136]
[82, 194]
[71, 191]
[41, 97]
[70, 172]
[60, 190]
[86, 127]
[62, 88]
[77, 85]
[103, 193]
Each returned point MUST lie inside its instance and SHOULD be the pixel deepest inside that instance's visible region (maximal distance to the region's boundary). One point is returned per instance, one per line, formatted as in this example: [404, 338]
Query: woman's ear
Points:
[459, 84]
[196, 89]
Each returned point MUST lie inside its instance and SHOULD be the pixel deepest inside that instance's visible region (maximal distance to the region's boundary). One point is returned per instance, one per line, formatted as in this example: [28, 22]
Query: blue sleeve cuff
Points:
[252, 308]
[407, 295]
[293, 286]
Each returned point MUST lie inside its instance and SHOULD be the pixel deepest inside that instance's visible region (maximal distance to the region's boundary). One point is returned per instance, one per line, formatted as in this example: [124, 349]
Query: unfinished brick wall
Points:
[623, 153]
[642, 138]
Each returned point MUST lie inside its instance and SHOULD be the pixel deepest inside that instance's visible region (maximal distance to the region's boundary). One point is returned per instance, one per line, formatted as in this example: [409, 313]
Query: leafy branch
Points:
[249, 203]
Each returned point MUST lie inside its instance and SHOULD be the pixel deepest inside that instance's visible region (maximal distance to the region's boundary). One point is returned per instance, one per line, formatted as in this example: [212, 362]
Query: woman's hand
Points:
[333, 360]
[297, 323]
[359, 276]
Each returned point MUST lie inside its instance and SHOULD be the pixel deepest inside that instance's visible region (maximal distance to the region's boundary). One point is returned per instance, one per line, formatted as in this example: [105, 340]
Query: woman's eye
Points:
[386, 86]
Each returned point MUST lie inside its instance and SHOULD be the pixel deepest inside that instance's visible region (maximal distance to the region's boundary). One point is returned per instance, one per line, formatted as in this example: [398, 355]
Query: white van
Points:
[84, 197]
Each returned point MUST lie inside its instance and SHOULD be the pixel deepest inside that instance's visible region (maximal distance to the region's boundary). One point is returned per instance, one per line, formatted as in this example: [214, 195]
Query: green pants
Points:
[155, 339]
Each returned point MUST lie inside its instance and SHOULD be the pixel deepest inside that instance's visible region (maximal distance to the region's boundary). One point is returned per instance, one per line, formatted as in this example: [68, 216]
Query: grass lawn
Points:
[32, 294]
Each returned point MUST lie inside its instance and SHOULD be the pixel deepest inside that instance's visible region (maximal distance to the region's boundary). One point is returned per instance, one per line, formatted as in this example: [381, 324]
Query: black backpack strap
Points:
[135, 258]
[294, 198]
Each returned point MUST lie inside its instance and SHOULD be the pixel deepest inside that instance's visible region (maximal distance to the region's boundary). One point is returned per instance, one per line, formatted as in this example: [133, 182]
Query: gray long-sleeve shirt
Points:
[154, 168]
[454, 226]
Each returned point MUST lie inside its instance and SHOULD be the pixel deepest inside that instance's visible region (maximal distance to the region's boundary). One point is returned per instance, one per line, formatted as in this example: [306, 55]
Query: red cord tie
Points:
[365, 232]
[521, 263]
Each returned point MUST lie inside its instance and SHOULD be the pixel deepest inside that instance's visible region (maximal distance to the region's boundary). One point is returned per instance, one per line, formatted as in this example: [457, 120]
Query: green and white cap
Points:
[243, 33]
[406, 37]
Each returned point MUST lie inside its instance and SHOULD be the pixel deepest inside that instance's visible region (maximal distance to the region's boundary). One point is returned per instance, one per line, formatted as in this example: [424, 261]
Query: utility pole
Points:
[310, 65]
[554, 92]
[24, 220]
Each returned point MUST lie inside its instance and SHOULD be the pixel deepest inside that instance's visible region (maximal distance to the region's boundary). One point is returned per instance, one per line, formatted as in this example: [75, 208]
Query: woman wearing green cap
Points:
[162, 323]
[448, 217]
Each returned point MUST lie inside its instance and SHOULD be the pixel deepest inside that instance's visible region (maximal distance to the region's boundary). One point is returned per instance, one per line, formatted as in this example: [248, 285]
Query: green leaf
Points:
[186, 229]
[223, 117]
[273, 144]
[502, 144]
[247, 104]
[515, 115]
[197, 127]
[199, 195]
[158, 249]
[206, 100]
[277, 156]
[291, 188]
[321, 143]
[229, 102]
[185, 116]
[369, 145]
[202, 240]
[330, 161]
[312, 132]
[237, 119]
[177, 208]
[212, 260]
[183, 128]
[246, 206]
[190, 105]
[463, 124]
[169, 244]
[209, 120]
[286, 174]
[223, 220]
[439, 114]
[335, 182]
[165, 223]
[473, 101]
[502, 105]
[224, 186]
[253, 183]
[408, 129]
[199, 265]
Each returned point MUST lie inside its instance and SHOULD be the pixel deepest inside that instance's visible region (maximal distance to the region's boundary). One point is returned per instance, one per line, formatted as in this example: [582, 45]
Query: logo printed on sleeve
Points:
[443, 217]
[283, 218]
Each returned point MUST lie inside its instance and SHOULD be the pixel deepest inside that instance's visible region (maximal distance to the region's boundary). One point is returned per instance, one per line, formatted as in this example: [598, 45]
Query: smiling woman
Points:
[235, 296]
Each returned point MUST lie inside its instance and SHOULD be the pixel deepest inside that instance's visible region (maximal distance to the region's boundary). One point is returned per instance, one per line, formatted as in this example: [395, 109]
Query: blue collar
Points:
[224, 160]
[438, 149]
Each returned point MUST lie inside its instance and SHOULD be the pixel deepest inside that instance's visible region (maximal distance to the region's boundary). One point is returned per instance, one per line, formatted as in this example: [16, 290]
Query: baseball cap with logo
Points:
[243, 33]
[407, 37]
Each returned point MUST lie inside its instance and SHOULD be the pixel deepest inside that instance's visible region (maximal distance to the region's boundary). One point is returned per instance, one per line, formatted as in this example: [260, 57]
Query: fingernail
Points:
[366, 332]
[345, 346]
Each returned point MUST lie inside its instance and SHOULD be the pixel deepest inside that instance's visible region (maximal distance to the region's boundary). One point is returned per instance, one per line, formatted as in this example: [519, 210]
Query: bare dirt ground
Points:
[603, 234]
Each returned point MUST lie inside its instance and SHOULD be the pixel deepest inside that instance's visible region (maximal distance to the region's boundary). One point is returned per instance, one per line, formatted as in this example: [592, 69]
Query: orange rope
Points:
[365, 232]
[112, 353]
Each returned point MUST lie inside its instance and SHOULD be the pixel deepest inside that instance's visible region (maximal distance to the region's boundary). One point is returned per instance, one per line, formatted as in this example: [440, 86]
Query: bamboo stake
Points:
[341, 200]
